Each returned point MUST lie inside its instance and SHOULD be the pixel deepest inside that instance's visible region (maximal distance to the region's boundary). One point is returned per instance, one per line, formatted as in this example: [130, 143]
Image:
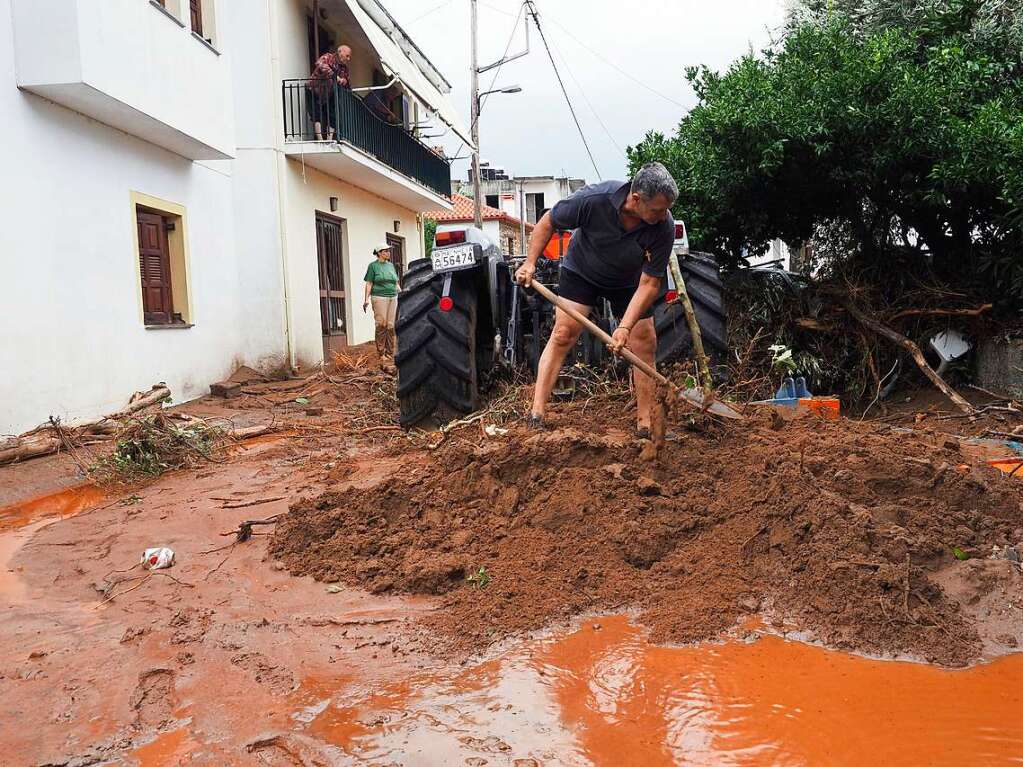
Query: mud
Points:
[603, 695]
[834, 527]
[240, 663]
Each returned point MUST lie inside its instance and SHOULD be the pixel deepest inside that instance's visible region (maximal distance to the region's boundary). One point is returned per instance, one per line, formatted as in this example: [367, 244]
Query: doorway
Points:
[397, 254]
[330, 261]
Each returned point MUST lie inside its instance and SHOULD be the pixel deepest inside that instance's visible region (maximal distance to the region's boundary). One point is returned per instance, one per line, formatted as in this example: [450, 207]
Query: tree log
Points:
[44, 439]
[30, 449]
[915, 353]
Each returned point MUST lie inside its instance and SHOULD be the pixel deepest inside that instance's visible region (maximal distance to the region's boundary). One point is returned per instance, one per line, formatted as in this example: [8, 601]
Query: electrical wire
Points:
[582, 93]
[493, 80]
[422, 16]
[536, 19]
[598, 55]
[504, 55]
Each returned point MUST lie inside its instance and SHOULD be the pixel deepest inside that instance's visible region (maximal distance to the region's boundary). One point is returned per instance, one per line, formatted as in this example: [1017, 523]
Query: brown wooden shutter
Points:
[196, 7]
[154, 267]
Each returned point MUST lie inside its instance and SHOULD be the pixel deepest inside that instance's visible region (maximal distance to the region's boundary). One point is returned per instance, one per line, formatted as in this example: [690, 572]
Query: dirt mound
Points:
[831, 527]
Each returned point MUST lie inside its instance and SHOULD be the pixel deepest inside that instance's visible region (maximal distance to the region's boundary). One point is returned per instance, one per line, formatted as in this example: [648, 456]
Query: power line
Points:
[507, 47]
[536, 18]
[504, 55]
[590, 105]
[599, 55]
[422, 16]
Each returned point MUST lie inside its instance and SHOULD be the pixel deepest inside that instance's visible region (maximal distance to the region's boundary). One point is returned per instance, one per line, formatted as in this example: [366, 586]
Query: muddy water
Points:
[18, 523]
[603, 696]
[64, 503]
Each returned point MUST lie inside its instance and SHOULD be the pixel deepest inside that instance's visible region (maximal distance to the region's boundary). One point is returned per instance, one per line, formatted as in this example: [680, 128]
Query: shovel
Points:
[694, 397]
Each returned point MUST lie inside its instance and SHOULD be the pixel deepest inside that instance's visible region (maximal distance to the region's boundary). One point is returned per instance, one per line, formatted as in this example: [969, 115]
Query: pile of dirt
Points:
[833, 528]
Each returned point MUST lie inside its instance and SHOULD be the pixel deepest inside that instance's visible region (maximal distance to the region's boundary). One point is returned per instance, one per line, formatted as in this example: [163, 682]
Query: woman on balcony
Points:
[330, 69]
[382, 289]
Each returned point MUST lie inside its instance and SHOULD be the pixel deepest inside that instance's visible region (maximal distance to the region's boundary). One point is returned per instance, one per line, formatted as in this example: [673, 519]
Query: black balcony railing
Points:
[338, 110]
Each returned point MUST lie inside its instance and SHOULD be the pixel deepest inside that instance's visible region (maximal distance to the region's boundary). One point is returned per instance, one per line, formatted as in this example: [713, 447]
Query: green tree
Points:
[908, 135]
[429, 233]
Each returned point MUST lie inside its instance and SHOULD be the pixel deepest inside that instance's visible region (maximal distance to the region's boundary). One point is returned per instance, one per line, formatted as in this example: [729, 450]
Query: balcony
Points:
[129, 64]
[365, 150]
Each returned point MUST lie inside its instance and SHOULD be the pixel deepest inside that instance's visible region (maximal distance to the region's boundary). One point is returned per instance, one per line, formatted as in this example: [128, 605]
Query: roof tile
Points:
[463, 211]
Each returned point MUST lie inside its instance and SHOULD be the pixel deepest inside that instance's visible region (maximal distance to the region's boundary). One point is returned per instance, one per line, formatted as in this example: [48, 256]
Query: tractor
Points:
[462, 320]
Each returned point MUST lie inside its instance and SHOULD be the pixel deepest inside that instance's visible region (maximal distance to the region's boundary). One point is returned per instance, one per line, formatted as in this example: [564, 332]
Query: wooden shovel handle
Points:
[591, 326]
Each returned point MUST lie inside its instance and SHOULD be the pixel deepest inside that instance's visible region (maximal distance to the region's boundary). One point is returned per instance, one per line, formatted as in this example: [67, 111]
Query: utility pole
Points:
[476, 180]
[522, 216]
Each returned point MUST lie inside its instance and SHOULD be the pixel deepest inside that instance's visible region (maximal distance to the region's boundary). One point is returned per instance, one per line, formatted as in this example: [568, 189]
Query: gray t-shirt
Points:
[601, 251]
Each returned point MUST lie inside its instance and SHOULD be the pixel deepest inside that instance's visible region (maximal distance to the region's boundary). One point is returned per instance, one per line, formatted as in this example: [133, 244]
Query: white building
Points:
[167, 214]
[538, 193]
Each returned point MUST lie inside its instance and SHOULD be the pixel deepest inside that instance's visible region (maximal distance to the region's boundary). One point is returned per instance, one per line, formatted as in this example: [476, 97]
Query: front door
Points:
[397, 254]
[330, 258]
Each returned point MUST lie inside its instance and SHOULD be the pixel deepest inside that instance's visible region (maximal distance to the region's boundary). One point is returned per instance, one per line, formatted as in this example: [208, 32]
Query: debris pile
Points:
[831, 528]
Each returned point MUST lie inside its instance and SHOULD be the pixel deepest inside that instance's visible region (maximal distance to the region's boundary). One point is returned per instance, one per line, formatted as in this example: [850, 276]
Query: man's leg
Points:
[563, 337]
[643, 343]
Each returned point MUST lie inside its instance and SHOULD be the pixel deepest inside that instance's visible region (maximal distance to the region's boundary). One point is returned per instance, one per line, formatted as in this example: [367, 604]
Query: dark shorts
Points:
[575, 287]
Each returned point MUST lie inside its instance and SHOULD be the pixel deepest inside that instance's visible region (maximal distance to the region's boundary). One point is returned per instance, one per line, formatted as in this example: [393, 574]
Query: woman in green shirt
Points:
[382, 291]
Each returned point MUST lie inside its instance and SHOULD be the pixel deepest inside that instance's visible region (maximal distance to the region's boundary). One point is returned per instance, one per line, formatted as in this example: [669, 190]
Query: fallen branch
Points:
[244, 531]
[142, 582]
[50, 437]
[257, 502]
[915, 353]
[941, 312]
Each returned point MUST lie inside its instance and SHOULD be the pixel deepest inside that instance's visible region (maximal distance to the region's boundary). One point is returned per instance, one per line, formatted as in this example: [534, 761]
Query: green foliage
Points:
[479, 579]
[899, 122]
[781, 361]
[147, 446]
[429, 232]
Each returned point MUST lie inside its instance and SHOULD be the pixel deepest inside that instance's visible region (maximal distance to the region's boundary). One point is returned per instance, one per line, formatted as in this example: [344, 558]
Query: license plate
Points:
[450, 259]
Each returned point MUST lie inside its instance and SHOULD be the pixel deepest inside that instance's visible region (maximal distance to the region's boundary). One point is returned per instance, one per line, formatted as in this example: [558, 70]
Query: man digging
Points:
[623, 237]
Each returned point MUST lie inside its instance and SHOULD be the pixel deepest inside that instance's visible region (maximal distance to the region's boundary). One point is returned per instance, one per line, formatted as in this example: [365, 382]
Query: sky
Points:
[532, 132]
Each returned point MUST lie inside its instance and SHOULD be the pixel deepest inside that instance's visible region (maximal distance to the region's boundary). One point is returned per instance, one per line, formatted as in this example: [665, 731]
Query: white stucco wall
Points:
[74, 342]
[127, 64]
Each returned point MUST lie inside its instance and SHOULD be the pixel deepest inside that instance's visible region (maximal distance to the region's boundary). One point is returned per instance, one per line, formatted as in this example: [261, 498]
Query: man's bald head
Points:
[344, 53]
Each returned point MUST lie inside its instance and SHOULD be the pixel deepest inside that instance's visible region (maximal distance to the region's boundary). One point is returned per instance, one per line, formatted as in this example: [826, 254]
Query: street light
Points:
[479, 97]
[478, 106]
[509, 89]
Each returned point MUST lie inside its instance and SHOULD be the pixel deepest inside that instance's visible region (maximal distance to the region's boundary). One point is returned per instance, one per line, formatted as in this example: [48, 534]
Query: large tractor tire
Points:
[436, 356]
[674, 341]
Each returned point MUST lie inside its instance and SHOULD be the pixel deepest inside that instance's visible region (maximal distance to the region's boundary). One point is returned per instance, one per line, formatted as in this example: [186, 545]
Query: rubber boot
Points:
[381, 342]
[392, 343]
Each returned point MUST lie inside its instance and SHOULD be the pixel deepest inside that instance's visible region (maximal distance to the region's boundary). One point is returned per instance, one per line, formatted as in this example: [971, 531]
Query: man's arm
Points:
[542, 233]
[642, 299]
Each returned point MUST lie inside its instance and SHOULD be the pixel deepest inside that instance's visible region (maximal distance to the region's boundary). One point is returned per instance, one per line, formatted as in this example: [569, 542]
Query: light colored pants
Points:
[384, 311]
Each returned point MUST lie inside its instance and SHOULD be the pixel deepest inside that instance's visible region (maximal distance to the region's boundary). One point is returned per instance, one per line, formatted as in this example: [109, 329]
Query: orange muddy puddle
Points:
[607, 697]
[64, 503]
[21, 521]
